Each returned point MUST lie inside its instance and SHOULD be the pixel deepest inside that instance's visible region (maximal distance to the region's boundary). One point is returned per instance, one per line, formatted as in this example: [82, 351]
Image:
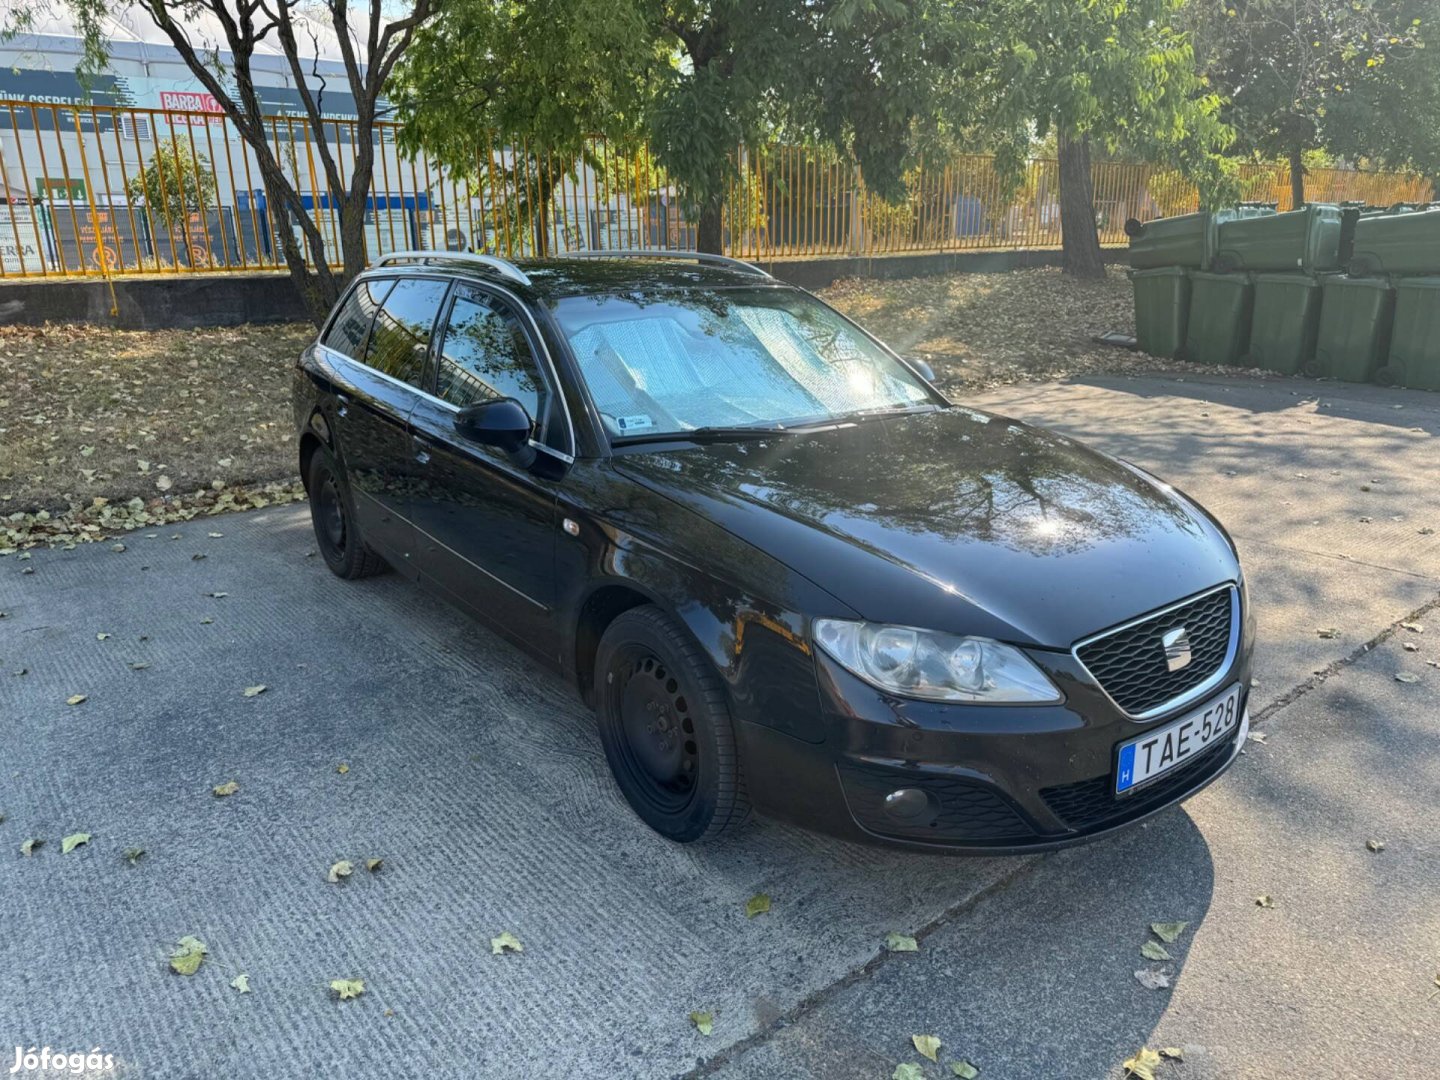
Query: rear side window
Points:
[485, 355]
[400, 341]
[351, 327]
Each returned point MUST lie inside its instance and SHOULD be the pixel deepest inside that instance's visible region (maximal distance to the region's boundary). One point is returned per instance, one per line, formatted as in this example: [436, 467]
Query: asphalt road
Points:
[482, 787]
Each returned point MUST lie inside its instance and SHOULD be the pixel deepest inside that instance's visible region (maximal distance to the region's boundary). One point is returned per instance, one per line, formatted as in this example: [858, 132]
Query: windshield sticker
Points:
[638, 422]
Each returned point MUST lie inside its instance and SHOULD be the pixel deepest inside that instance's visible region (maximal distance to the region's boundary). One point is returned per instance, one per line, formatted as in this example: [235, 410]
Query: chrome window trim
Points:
[436, 540]
[1196, 692]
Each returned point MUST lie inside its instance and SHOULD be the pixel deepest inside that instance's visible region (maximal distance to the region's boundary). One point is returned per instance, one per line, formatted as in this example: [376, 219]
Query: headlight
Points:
[934, 666]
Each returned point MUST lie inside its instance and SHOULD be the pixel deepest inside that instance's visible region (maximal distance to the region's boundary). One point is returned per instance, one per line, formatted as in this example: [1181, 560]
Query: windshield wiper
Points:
[859, 415]
[704, 434]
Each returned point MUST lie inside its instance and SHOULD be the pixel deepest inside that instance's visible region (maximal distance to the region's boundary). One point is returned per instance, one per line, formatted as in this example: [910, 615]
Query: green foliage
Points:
[175, 182]
[547, 74]
[1300, 75]
[1120, 73]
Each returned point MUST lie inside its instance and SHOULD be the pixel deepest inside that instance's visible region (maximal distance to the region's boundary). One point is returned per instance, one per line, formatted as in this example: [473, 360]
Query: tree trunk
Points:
[1297, 179]
[709, 234]
[1079, 238]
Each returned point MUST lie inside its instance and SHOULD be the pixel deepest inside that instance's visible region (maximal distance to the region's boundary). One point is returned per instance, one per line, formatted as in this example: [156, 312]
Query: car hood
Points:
[955, 520]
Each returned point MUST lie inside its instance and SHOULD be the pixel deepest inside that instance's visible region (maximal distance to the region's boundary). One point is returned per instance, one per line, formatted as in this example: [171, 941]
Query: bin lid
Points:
[1345, 281]
[1288, 278]
[1240, 278]
[1159, 271]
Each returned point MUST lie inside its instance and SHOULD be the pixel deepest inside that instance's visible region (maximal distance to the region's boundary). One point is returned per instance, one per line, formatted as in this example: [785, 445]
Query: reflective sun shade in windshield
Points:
[677, 360]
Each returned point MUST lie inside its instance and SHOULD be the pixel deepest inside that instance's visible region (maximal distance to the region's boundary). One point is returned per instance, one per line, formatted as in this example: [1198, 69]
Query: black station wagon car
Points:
[784, 569]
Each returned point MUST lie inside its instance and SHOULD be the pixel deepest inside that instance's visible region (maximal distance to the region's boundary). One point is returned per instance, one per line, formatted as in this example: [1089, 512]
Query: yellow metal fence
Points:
[109, 191]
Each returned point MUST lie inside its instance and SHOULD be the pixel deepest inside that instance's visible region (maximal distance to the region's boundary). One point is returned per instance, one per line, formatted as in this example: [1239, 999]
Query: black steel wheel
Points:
[332, 513]
[666, 728]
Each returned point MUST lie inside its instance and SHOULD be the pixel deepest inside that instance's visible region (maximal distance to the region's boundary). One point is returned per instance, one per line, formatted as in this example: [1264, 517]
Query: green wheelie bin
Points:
[1220, 308]
[1162, 308]
[1415, 341]
[1305, 240]
[1285, 322]
[1353, 342]
[1184, 240]
[1397, 244]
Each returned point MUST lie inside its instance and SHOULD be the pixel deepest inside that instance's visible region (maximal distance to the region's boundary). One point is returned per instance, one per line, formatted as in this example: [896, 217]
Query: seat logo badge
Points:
[1177, 648]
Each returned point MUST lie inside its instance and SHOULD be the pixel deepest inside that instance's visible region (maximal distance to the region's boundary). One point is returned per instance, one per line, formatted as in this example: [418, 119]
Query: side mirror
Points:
[502, 423]
[926, 371]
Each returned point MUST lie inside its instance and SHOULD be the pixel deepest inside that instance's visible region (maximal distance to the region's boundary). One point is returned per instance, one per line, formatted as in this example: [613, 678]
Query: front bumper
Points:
[1000, 779]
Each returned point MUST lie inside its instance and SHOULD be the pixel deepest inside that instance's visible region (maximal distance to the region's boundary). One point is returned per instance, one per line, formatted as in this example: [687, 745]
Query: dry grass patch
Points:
[88, 412]
[979, 330]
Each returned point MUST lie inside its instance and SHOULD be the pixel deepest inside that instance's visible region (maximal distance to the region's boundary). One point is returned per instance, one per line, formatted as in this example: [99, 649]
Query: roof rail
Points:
[503, 267]
[650, 253]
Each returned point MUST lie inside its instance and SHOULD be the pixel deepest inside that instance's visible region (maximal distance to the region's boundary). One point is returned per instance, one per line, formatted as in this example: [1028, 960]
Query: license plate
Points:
[1159, 751]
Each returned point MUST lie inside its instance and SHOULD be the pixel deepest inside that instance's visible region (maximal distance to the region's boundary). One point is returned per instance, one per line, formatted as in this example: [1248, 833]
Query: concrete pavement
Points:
[483, 788]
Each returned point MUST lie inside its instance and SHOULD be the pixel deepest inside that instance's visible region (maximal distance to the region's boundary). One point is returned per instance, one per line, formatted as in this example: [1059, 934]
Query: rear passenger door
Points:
[376, 385]
[486, 524]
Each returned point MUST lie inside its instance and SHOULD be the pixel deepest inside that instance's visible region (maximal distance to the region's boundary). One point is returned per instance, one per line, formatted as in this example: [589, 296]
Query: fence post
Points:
[857, 240]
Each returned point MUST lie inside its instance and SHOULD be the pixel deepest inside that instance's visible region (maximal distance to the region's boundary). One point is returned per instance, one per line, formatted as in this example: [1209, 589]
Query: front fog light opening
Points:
[911, 806]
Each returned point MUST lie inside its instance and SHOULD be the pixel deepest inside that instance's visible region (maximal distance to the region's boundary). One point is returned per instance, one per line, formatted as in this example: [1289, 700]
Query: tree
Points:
[1391, 117]
[1110, 74]
[218, 39]
[509, 93]
[857, 74]
[177, 181]
[1283, 66]
[698, 77]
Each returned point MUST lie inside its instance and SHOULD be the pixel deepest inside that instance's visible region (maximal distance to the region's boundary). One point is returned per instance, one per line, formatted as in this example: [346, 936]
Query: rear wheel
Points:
[666, 729]
[333, 515]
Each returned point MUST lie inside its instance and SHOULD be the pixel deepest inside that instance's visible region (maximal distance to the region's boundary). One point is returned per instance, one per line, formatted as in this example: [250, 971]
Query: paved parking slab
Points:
[483, 787]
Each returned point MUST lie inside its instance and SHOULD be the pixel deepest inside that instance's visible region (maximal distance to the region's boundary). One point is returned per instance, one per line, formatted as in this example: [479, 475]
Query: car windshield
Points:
[674, 361]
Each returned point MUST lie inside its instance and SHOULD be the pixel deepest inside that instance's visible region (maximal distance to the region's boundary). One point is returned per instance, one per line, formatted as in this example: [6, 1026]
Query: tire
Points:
[1311, 369]
[332, 513]
[666, 728]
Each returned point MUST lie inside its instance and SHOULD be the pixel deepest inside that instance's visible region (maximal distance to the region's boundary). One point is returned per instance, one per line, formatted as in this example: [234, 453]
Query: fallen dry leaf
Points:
[901, 943]
[341, 869]
[348, 988]
[758, 904]
[1265, 900]
[704, 1022]
[74, 840]
[1153, 950]
[1168, 931]
[505, 942]
[77, 699]
[1151, 979]
[241, 983]
[1143, 1065]
[254, 691]
[927, 1046]
[230, 787]
[186, 957]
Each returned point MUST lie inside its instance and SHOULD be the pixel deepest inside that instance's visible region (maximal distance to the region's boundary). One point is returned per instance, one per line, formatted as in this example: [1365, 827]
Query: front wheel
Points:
[332, 513]
[666, 728]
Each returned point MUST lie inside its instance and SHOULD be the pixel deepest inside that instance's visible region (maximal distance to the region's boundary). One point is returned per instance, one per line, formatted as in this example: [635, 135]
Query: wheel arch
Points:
[315, 435]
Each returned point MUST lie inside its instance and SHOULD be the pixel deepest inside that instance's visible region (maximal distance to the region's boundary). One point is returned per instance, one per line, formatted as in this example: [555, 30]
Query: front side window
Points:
[684, 359]
[400, 339]
[351, 326]
[485, 355]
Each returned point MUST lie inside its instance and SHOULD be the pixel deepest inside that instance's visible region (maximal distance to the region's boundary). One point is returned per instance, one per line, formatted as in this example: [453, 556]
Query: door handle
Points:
[421, 445]
[342, 404]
